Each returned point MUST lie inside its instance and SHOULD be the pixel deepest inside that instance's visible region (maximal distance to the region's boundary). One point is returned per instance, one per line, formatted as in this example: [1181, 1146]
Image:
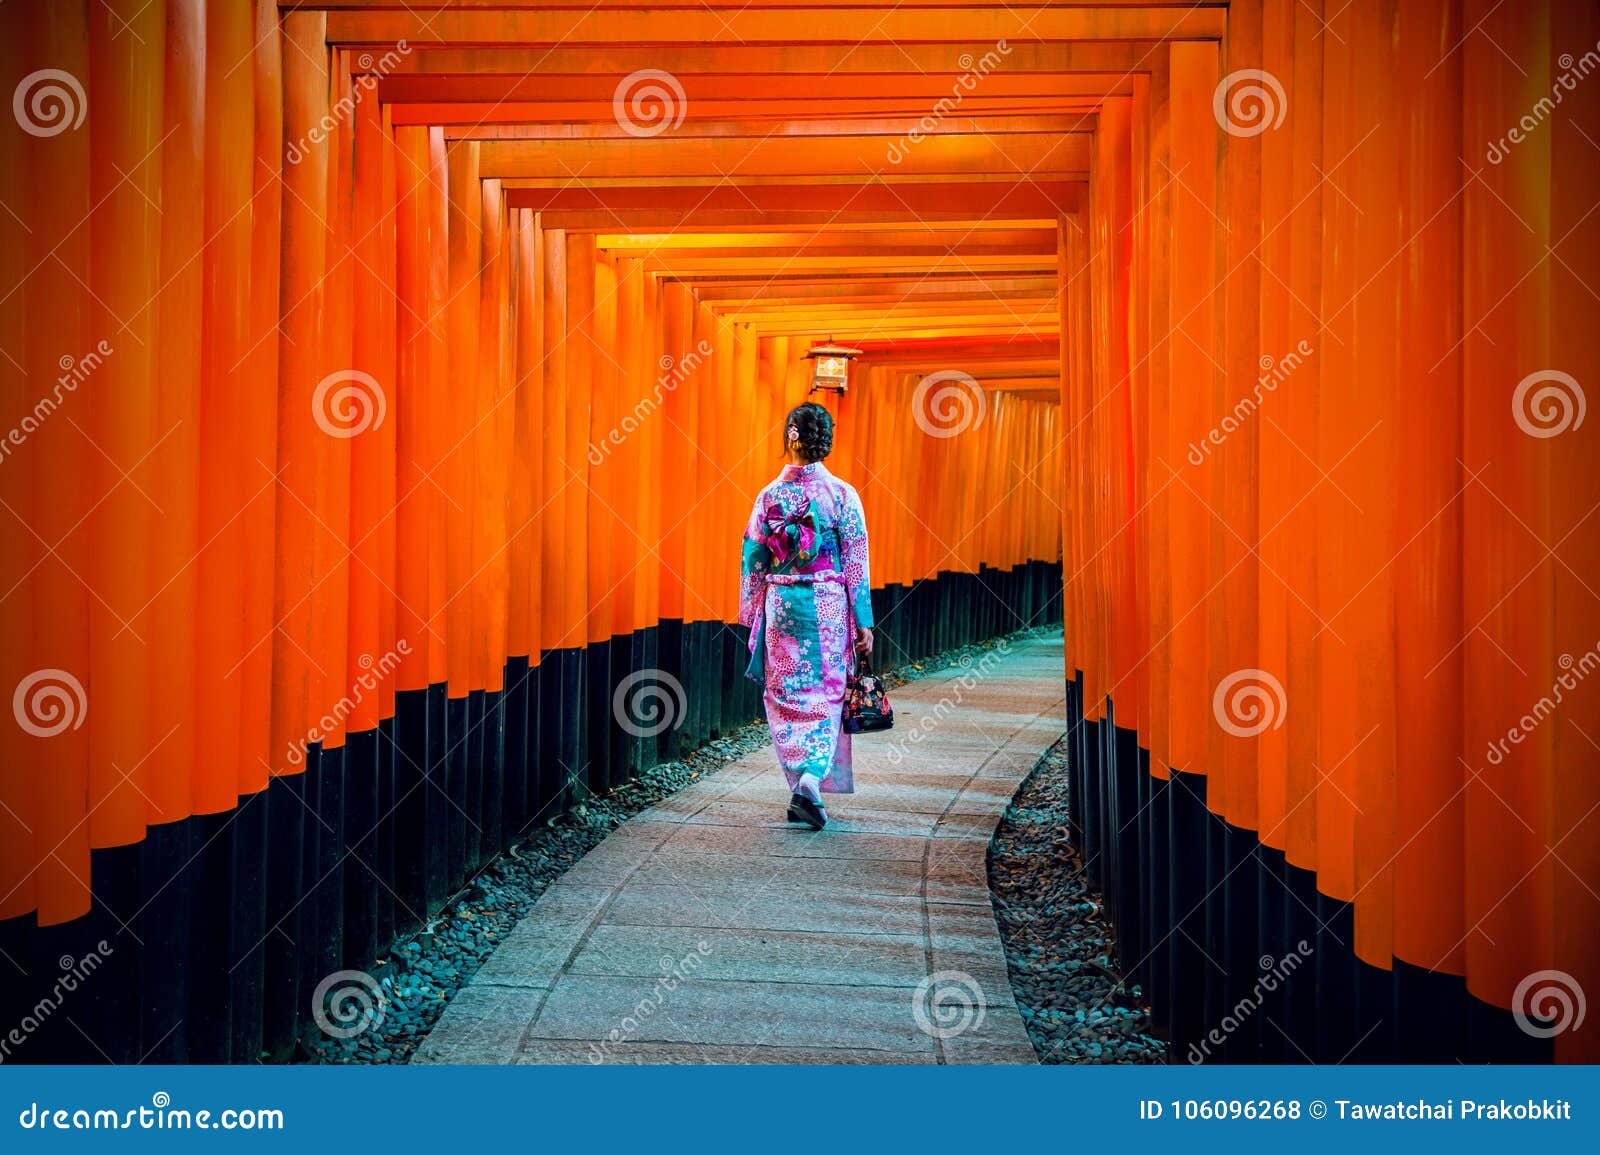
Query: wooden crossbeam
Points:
[1048, 155]
[825, 25]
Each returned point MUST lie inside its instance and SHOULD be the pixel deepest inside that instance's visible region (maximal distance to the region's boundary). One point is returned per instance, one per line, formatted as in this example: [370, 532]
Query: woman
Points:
[806, 596]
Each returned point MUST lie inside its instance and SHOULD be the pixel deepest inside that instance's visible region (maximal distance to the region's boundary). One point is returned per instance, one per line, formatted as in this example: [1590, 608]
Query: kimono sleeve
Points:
[853, 557]
[754, 563]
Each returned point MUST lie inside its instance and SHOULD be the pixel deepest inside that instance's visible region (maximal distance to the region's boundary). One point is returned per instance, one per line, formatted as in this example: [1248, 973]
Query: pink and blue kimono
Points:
[806, 587]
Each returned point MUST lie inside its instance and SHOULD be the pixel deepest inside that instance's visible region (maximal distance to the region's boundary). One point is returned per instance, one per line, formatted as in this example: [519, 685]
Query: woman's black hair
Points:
[814, 424]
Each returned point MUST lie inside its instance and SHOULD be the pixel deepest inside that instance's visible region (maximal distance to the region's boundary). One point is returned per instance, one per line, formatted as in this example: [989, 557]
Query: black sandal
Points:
[803, 809]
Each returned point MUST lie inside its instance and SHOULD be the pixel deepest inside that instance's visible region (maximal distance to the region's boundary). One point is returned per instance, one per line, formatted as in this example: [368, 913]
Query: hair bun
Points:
[815, 426]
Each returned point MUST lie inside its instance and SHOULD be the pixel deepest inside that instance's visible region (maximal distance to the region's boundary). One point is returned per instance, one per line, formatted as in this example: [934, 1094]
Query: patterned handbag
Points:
[866, 703]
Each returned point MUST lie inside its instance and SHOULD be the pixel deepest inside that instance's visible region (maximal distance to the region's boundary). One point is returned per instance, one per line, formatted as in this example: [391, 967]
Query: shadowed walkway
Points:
[706, 930]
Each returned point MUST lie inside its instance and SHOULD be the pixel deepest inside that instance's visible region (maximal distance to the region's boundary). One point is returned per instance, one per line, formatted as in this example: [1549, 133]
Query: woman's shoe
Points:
[803, 809]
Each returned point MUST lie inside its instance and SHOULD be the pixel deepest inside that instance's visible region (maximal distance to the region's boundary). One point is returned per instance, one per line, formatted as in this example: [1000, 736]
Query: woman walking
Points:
[808, 602]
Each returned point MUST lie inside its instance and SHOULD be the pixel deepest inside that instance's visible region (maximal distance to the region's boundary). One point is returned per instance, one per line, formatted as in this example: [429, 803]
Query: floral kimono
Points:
[805, 589]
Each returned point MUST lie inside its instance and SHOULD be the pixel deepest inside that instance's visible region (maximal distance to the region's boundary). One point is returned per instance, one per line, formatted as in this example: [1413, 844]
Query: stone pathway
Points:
[708, 930]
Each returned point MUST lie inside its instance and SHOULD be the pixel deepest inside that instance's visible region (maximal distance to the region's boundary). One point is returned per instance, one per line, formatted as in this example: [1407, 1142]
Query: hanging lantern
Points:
[830, 366]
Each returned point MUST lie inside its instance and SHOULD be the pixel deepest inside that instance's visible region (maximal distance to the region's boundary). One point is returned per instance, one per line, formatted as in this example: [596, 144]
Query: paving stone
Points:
[957, 872]
[986, 969]
[961, 927]
[590, 1008]
[483, 1025]
[846, 816]
[862, 876]
[774, 956]
[975, 826]
[862, 818]
[567, 902]
[773, 905]
[533, 954]
[633, 1052]
[985, 792]
[790, 842]
[973, 1052]
[908, 799]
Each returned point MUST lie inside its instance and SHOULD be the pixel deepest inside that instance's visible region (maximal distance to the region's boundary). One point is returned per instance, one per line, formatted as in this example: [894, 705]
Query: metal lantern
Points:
[830, 366]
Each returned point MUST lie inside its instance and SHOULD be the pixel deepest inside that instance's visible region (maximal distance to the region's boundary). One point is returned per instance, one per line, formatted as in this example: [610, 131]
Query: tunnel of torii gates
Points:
[387, 385]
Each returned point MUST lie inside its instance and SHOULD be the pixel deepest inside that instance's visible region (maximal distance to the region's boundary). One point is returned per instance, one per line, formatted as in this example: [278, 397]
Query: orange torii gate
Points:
[389, 386]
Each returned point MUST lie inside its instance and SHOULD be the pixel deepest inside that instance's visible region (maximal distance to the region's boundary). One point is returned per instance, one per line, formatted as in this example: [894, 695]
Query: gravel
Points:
[1060, 948]
[388, 1011]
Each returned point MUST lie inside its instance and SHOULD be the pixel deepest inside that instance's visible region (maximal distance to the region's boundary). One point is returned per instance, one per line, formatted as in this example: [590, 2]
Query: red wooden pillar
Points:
[127, 68]
[458, 404]
[1428, 923]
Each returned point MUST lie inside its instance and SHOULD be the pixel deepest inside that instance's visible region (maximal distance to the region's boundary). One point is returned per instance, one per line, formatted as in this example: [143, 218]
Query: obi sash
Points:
[756, 671]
